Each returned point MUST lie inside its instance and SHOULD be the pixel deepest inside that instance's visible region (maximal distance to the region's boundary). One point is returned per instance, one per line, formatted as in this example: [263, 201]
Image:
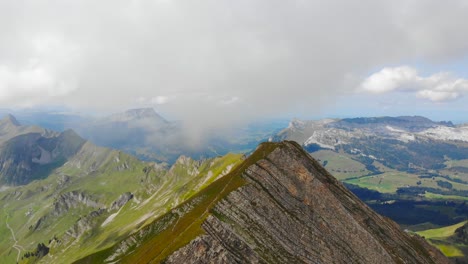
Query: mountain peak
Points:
[142, 112]
[292, 210]
[136, 114]
[278, 206]
[10, 119]
[296, 123]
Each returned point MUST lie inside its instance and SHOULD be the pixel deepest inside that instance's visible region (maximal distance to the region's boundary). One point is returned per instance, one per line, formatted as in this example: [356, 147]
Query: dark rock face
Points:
[220, 245]
[121, 201]
[73, 199]
[461, 234]
[293, 211]
[32, 156]
[84, 224]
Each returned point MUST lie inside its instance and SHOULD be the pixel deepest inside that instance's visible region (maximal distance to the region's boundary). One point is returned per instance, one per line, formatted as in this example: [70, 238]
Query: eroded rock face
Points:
[293, 211]
[83, 224]
[73, 199]
[121, 201]
[220, 245]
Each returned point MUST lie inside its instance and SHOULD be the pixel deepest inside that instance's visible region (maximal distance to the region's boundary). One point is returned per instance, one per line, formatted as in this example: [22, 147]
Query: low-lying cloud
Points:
[438, 87]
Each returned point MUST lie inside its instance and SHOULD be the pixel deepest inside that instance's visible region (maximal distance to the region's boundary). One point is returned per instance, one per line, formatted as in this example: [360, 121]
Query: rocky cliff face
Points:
[293, 211]
[33, 156]
[66, 201]
[10, 128]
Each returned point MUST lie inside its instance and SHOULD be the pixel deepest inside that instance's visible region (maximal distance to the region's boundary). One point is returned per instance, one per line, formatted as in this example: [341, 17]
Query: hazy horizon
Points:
[19, 113]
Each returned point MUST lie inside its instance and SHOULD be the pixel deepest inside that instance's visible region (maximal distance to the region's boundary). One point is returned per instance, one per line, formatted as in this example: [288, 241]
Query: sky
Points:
[214, 63]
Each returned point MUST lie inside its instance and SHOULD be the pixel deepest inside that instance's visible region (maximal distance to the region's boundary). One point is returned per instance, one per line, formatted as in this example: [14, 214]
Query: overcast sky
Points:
[215, 62]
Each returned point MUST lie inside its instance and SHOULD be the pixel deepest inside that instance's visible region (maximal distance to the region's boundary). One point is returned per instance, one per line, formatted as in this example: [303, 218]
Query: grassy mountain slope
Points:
[449, 239]
[171, 231]
[96, 197]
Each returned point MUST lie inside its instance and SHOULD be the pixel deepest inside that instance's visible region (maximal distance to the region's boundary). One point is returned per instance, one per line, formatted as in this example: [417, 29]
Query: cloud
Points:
[230, 100]
[438, 87]
[43, 75]
[438, 96]
[216, 63]
[159, 100]
[390, 79]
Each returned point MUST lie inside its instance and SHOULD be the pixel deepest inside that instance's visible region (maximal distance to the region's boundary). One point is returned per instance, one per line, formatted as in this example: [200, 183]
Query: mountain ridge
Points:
[135, 114]
[33, 155]
[9, 119]
[270, 174]
[423, 141]
[259, 211]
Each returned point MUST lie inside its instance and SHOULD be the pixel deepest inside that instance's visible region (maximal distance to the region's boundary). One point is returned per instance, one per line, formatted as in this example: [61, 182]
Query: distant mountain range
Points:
[141, 132]
[403, 143]
[147, 135]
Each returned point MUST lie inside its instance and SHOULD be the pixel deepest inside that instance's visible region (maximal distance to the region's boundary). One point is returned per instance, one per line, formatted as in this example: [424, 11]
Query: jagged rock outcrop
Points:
[83, 224]
[68, 201]
[73, 199]
[32, 156]
[293, 211]
[121, 201]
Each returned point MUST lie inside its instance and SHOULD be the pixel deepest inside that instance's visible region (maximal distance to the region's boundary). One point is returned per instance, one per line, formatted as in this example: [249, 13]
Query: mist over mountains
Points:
[149, 136]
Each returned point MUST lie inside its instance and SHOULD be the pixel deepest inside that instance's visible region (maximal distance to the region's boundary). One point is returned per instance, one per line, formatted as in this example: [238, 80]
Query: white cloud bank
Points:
[215, 62]
[439, 87]
[47, 72]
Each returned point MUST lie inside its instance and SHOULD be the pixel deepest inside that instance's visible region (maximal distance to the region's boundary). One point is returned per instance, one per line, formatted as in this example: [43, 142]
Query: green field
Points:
[449, 250]
[440, 238]
[442, 232]
[457, 163]
[436, 196]
[350, 169]
[390, 181]
[342, 166]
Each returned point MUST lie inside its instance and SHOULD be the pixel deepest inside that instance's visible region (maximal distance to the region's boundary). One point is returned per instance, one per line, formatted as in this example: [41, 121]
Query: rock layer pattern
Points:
[293, 211]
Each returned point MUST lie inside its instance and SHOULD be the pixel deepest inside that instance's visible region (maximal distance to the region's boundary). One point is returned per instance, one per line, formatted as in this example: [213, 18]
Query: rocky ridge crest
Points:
[293, 211]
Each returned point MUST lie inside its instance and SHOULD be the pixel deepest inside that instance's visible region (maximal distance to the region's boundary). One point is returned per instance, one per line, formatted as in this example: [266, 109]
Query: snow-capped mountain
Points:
[329, 133]
[400, 142]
